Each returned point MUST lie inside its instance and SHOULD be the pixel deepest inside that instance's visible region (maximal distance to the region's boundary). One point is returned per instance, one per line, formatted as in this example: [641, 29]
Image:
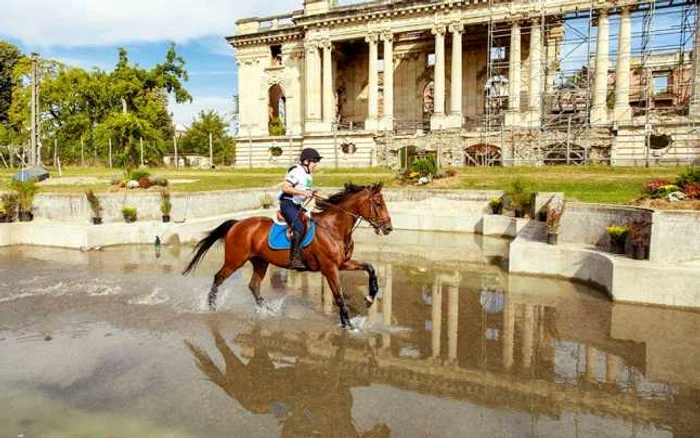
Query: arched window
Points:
[482, 155]
[277, 111]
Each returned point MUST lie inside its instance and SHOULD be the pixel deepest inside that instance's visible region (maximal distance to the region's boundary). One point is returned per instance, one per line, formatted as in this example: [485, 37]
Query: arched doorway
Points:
[482, 155]
[562, 154]
[277, 111]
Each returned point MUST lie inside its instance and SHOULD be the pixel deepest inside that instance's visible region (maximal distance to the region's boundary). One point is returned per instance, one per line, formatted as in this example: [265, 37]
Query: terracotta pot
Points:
[552, 238]
[640, 252]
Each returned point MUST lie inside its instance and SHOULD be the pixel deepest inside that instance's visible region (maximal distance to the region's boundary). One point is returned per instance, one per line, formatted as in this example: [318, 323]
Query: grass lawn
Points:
[587, 184]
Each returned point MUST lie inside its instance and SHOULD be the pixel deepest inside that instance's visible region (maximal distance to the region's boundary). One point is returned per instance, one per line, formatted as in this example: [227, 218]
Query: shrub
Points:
[275, 151]
[689, 176]
[9, 203]
[652, 186]
[137, 174]
[495, 202]
[94, 202]
[165, 205]
[129, 214]
[692, 190]
[425, 166]
[266, 201]
[26, 190]
[519, 195]
[639, 231]
[554, 214]
[275, 127]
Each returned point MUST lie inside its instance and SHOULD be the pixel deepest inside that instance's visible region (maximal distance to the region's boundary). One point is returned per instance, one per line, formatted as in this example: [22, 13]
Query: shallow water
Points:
[117, 343]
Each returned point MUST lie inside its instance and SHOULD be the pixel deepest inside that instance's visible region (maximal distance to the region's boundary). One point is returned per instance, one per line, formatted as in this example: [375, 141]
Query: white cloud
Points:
[104, 22]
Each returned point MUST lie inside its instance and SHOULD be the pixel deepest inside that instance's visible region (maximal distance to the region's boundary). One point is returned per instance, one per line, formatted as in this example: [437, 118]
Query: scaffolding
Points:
[661, 88]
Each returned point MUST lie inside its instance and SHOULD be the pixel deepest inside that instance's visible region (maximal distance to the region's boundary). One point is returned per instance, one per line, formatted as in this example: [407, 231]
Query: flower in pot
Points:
[554, 214]
[618, 237]
[639, 235]
[165, 205]
[8, 207]
[496, 205]
[26, 190]
[95, 206]
[129, 214]
[266, 201]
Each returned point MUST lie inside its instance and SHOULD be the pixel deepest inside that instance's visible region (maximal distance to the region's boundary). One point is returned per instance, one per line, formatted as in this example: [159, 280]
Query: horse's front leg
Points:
[333, 279]
[356, 265]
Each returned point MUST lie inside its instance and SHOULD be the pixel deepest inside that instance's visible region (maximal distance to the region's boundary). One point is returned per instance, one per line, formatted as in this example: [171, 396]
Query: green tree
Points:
[9, 55]
[196, 139]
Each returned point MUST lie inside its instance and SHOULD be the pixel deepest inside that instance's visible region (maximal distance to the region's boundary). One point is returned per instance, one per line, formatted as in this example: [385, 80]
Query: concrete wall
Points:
[675, 237]
[586, 223]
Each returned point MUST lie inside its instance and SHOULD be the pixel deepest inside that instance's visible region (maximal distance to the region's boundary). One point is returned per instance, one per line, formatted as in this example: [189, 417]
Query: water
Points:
[117, 343]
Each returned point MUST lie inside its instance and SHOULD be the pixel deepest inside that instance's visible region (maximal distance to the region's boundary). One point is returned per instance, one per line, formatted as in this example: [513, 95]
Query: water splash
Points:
[271, 307]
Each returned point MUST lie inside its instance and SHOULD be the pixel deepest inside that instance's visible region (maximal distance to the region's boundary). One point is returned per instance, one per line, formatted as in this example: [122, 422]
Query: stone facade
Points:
[324, 72]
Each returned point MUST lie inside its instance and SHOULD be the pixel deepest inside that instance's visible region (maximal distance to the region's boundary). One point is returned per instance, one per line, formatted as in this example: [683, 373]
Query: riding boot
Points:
[295, 261]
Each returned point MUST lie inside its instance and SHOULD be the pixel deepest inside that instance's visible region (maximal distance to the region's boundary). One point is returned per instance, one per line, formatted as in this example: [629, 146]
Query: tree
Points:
[196, 139]
[9, 55]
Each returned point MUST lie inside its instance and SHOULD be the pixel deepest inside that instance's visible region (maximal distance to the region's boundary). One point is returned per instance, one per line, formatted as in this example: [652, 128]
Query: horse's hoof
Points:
[368, 301]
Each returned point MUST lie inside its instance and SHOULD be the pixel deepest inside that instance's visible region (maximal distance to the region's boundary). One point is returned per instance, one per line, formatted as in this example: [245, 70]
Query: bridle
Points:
[375, 220]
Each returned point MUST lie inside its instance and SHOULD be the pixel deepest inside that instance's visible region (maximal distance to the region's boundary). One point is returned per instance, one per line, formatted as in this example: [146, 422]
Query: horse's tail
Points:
[205, 244]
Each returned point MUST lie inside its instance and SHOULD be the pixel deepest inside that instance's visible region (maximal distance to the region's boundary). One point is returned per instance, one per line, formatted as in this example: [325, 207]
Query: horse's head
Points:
[373, 209]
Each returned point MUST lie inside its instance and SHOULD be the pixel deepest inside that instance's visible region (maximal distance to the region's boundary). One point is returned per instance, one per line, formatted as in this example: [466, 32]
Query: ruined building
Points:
[476, 82]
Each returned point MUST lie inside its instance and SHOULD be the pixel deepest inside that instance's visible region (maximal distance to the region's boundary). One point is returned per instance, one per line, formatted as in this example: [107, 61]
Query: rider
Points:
[295, 191]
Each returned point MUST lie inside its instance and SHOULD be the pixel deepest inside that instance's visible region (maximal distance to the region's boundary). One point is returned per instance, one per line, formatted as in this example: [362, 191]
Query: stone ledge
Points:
[624, 279]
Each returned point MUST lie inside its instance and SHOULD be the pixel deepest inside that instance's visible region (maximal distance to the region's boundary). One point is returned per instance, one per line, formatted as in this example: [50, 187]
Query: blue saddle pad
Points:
[277, 239]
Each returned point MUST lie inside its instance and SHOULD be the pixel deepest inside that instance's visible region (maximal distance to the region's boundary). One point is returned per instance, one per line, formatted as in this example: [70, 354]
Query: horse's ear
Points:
[377, 187]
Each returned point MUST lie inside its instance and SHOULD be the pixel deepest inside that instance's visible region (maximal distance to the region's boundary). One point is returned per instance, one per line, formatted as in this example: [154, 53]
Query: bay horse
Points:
[329, 252]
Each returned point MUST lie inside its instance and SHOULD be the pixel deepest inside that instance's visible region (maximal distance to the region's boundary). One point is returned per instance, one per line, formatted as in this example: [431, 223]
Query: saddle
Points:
[279, 236]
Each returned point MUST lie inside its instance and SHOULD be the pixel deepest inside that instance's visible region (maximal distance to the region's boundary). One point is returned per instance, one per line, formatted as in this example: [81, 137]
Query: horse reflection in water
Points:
[307, 400]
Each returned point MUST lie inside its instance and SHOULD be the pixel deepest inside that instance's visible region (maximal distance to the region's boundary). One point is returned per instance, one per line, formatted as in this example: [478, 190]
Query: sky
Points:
[87, 33]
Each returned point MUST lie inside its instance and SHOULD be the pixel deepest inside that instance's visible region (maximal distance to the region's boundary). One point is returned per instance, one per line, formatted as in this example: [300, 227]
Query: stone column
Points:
[328, 89]
[436, 317]
[452, 322]
[591, 373]
[388, 119]
[439, 103]
[373, 84]
[456, 75]
[514, 66]
[599, 108]
[535, 90]
[313, 86]
[623, 111]
[694, 109]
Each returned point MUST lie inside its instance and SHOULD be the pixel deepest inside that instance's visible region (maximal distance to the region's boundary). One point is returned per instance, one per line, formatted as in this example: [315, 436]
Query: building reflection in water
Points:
[546, 348]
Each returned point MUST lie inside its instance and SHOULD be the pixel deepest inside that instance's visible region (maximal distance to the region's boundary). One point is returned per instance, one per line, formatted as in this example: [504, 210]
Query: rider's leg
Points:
[291, 213]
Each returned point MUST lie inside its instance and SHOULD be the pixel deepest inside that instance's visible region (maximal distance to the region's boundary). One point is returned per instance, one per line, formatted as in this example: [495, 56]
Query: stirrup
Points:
[298, 265]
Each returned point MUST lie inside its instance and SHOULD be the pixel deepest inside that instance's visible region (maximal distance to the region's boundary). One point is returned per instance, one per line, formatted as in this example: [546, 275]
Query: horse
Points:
[329, 252]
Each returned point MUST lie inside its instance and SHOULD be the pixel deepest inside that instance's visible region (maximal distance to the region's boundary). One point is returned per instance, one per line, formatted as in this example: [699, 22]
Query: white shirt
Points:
[300, 179]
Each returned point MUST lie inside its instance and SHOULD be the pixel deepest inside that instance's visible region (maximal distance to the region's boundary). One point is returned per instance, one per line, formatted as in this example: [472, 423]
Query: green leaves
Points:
[196, 139]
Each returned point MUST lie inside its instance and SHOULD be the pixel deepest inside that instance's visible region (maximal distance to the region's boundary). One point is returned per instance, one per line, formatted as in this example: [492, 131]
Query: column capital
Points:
[456, 27]
[372, 37]
[438, 29]
[387, 35]
[311, 45]
[325, 44]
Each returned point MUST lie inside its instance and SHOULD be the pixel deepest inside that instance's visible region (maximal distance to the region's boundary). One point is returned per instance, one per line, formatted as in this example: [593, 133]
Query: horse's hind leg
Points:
[219, 278]
[259, 271]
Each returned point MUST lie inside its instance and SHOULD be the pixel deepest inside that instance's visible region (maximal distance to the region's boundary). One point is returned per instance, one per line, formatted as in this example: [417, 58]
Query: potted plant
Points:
[26, 190]
[519, 197]
[95, 206]
[165, 205]
[129, 214]
[496, 205]
[554, 214]
[618, 237]
[9, 207]
[266, 201]
[639, 235]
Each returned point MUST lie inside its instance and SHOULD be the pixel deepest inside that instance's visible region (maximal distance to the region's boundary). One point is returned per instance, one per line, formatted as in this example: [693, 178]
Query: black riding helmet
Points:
[310, 154]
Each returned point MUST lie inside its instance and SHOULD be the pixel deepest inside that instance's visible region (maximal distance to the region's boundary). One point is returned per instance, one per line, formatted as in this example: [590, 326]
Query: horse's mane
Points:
[337, 198]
